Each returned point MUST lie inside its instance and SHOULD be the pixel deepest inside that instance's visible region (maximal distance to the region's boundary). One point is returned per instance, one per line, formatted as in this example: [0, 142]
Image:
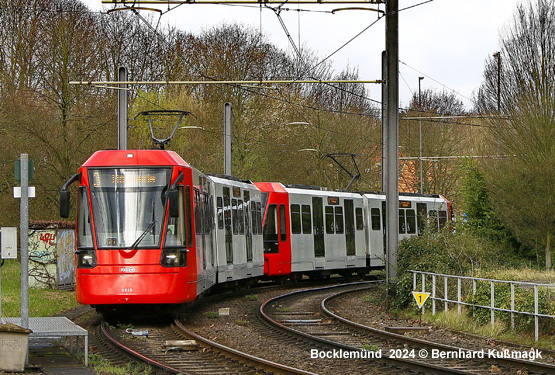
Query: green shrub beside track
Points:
[463, 253]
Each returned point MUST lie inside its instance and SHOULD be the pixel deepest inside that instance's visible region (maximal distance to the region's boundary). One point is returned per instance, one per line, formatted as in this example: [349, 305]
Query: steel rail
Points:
[257, 362]
[135, 354]
[529, 365]
[397, 362]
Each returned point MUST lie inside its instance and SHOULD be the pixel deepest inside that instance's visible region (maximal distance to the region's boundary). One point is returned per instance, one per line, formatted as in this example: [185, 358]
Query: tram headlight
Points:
[86, 259]
[174, 257]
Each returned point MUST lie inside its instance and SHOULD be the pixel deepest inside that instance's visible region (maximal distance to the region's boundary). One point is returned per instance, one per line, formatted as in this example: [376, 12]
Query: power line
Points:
[436, 81]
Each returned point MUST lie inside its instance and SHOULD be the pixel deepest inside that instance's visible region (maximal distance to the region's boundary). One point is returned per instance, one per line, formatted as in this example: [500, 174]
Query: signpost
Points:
[420, 298]
[24, 171]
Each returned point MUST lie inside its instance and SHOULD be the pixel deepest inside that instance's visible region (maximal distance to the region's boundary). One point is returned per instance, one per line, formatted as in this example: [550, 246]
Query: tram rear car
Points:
[312, 231]
[416, 211]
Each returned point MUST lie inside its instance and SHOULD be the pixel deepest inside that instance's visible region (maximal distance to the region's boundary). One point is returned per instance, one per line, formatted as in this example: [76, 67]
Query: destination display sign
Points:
[121, 177]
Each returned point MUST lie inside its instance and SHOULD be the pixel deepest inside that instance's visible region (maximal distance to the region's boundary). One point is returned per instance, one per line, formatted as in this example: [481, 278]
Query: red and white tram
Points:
[153, 230]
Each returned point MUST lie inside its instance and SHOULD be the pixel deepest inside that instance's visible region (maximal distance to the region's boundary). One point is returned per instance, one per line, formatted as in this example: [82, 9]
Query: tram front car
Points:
[133, 229]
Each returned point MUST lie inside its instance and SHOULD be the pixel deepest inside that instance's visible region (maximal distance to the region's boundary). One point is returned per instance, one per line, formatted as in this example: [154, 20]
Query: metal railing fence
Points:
[428, 280]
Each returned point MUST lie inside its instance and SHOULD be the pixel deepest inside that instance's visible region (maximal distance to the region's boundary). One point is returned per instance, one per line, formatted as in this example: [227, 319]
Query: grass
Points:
[102, 366]
[524, 274]
[42, 302]
[283, 309]
[452, 320]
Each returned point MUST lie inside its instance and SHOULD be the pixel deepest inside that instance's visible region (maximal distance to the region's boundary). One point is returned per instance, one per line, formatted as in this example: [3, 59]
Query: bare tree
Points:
[440, 138]
[521, 83]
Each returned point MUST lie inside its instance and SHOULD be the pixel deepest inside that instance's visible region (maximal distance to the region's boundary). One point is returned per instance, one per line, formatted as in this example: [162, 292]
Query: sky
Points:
[445, 41]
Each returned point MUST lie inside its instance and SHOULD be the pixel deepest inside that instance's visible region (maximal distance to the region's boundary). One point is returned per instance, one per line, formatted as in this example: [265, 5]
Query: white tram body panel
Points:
[327, 230]
[203, 212]
[415, 212]
[237, 229]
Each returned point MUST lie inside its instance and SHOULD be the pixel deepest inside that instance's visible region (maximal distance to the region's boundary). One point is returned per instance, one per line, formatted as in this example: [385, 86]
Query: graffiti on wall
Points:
[51, 258]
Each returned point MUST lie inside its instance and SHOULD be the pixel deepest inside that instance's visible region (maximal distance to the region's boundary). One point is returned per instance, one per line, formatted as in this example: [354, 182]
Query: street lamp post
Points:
[497, 55]
[420, 134]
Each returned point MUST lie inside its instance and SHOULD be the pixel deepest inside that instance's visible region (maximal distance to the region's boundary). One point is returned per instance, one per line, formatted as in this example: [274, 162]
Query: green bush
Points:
[454, 252]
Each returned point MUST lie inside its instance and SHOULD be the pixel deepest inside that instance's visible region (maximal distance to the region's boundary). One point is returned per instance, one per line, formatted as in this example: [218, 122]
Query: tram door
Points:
[318, 226]
[248, 230]
[350, 227]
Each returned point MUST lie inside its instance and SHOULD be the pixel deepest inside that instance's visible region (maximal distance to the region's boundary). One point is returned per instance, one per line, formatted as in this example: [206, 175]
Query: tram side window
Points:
[375, 218]
[282, 221]
[255, 218]
[442, 219]
[220, 208]
[234, 215]
[248, 212]
[241, 217]
[259, 217]
[330, 225]
[84, 235]
[188, 217]
[296, 219]
[411, 222]
[271, 230]
[198, 212]
[175, 234]
[339, 226]
[402, 226]
[208, 213]
[359, 218]
[307, 220]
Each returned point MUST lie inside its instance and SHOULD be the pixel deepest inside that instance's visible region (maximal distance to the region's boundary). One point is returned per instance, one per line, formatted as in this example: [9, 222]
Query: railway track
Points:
[173, 349]
[304, 314]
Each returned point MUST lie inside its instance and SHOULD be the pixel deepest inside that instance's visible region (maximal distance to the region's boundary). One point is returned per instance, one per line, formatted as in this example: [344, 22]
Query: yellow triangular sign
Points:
[420, 298]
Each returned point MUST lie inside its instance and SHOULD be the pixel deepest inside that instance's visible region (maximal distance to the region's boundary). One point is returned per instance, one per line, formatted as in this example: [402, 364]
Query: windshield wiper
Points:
[143, 235]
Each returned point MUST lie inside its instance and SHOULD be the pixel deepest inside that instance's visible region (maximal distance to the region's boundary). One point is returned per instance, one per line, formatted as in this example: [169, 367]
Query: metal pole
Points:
[536, 312]
[227, 140]
[445, 290]
[420, 133]
[384, 121]
[434, 294]
[497, 55]
[459, 296]
[512, 306]
[492, 304]
[392, 153]
[122, 109]
[0, 279]
[24, 239]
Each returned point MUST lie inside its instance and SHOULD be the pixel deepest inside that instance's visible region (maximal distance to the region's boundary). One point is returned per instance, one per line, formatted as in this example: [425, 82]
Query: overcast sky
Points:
[446, 41]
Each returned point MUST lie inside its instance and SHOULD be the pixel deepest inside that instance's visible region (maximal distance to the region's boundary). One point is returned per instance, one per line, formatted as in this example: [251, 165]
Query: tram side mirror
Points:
[173, 195]
[64, 203]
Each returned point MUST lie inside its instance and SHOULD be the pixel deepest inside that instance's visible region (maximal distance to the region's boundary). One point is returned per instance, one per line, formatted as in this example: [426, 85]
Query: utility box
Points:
[14, 342]
[8, 240]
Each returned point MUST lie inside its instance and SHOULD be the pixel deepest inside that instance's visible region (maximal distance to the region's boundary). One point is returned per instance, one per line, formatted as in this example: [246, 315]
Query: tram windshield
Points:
[128, 206]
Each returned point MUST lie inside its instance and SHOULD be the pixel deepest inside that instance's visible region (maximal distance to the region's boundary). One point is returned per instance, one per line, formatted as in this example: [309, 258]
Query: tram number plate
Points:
[127, 290]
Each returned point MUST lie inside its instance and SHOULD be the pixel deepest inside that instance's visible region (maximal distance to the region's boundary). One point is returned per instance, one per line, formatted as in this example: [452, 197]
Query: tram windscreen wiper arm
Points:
[142, 236]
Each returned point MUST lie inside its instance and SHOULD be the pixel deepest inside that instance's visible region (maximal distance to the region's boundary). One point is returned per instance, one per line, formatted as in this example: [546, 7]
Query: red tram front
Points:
[134, 232]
